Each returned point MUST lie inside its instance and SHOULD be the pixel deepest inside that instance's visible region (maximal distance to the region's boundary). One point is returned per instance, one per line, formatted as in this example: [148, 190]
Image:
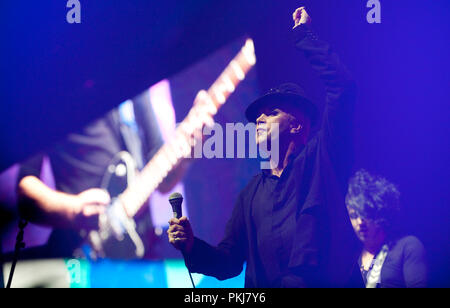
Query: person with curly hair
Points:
[388, 260]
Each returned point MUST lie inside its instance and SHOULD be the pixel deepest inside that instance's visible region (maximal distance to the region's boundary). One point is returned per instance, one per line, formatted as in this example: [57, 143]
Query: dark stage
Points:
[63, 67]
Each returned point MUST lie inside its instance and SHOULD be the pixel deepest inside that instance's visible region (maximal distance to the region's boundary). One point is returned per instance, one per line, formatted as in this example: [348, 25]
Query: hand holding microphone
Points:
[180, 232]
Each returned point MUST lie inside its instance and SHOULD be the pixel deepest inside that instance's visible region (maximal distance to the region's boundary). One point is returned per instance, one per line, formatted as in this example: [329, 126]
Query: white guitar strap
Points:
[374, 275]
[129, 130]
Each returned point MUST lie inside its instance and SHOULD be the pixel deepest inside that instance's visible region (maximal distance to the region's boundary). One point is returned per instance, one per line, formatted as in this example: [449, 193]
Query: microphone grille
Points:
[175, 195]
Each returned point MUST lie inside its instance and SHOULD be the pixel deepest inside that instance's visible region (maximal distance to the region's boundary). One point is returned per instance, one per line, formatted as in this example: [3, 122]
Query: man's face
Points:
[365, 229]
[265, 128]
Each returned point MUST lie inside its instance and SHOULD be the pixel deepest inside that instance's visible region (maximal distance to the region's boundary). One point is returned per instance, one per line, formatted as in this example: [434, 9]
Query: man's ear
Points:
[296, 128]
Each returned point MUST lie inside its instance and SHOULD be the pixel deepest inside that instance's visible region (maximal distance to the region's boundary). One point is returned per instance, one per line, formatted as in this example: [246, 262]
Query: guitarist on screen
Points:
[94, 158]
[78, 164]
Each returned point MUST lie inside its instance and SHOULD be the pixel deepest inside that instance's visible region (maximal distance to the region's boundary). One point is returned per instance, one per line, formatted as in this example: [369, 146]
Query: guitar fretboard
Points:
[180, 146]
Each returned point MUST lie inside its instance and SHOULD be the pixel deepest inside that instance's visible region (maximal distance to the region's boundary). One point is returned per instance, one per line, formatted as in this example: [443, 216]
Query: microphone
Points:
[176, 199]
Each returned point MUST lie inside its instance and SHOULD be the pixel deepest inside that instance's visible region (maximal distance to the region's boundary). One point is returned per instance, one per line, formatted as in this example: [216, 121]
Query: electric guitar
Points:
[130, 189]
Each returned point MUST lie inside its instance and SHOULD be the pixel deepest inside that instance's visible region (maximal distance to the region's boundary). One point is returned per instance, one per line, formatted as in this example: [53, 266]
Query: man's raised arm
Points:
[339, 85]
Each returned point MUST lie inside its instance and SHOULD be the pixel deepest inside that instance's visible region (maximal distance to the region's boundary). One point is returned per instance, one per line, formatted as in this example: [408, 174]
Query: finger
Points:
[183, 220]
[171, 229]
[99, 196]
[174, 221]
[91, 210]
[298, 12]
[179, 234]
[178, 241]
[175, 228]
[96, 196]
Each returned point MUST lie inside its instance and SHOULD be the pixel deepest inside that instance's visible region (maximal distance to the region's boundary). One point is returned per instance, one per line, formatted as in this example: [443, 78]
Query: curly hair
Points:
[374, 198]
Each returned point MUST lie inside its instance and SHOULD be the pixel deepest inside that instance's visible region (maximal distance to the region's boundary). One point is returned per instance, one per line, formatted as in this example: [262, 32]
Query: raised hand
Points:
[300, 17]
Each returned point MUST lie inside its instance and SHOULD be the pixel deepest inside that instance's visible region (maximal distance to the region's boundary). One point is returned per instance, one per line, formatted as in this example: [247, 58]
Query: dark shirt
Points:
[262, 216]
[405, 265]
[80, 160]
[294, 231]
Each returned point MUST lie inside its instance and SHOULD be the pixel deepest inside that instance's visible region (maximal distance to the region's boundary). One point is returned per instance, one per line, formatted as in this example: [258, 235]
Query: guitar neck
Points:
[180, 146]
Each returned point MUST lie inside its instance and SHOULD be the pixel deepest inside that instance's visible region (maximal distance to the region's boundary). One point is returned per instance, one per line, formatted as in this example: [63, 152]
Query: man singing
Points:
[289, 224]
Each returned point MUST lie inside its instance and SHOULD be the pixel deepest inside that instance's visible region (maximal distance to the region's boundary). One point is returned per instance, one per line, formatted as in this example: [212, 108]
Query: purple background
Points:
[401, 67]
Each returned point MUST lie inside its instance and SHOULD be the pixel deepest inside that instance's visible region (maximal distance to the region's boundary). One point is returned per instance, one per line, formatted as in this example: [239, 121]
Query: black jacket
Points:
[309, 218]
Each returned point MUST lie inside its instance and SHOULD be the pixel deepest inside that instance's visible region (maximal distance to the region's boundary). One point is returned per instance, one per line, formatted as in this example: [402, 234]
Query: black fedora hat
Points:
[289, 97]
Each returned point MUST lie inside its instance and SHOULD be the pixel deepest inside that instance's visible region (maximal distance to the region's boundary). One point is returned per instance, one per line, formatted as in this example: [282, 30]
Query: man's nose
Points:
[261, 119]
[362, 222]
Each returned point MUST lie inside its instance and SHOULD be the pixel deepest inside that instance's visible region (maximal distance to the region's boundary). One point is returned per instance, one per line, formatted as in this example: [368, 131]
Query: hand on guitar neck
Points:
[43, 205]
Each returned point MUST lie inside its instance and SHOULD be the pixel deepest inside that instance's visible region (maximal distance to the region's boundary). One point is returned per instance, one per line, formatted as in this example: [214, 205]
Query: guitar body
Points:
[106, 242]
[117, 237]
